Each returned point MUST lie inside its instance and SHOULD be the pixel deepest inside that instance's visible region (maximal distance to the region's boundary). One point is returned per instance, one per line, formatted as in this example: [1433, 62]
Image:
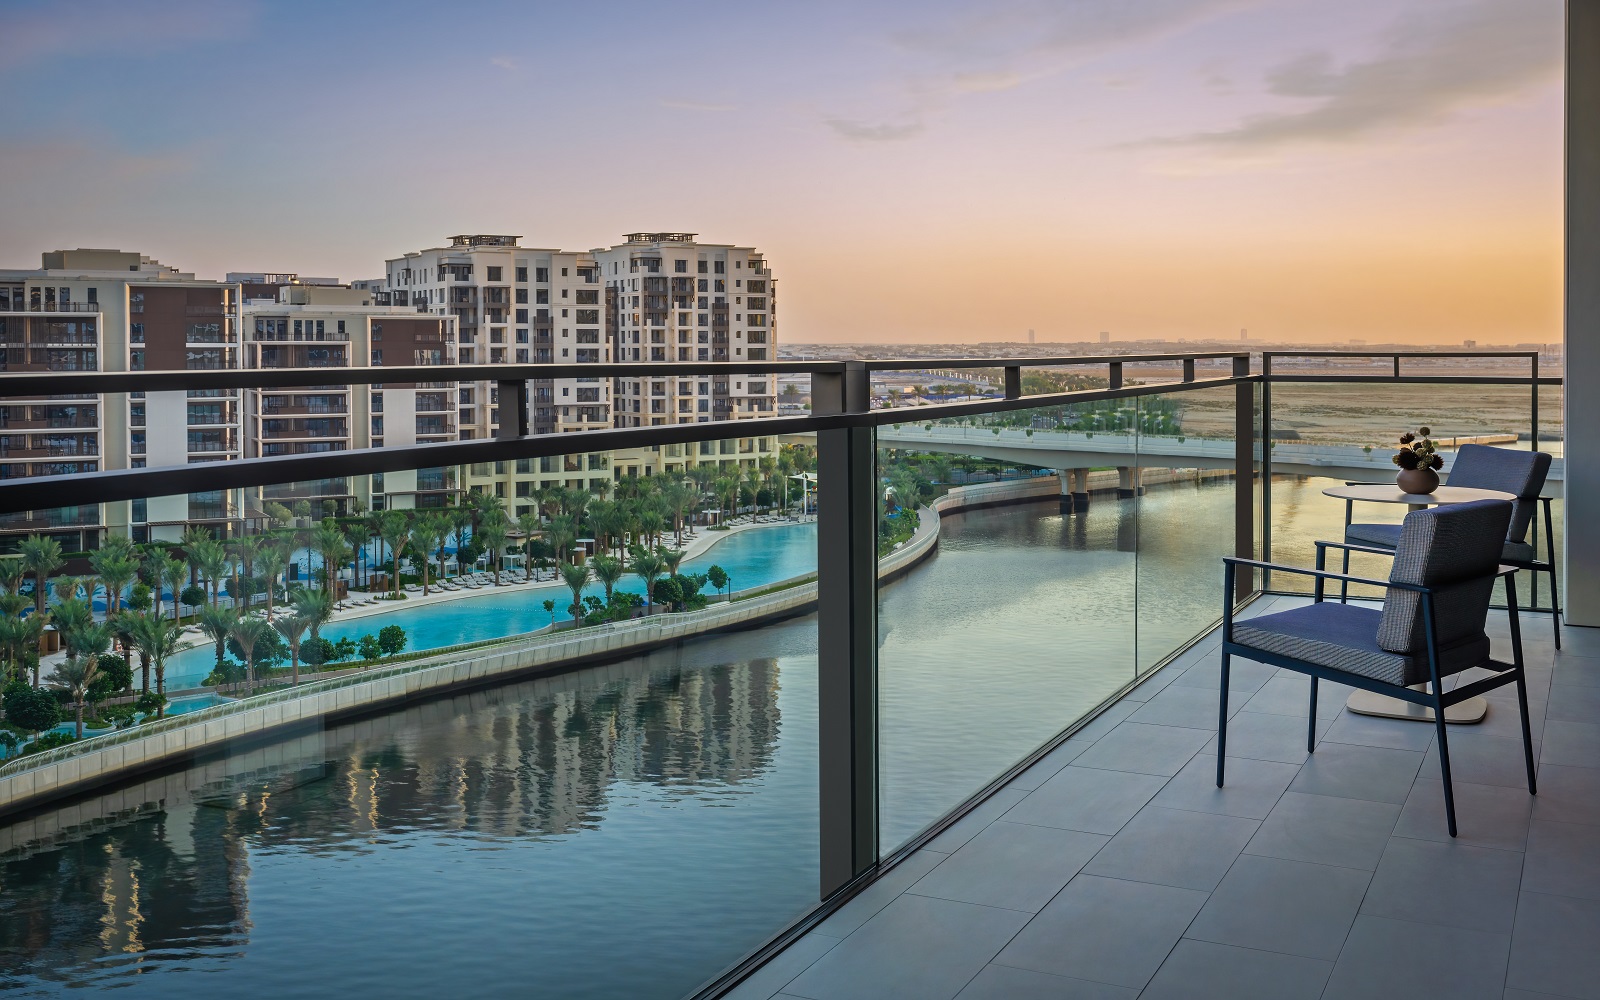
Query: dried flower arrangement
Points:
[1417, 451]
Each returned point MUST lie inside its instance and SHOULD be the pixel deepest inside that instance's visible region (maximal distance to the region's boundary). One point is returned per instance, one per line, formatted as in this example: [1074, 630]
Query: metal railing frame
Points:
[842, 420]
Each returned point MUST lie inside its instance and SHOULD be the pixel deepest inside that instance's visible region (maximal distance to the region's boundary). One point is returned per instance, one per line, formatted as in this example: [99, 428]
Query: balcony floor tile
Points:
[1330, 874]
[917, 947]
[1197, 970]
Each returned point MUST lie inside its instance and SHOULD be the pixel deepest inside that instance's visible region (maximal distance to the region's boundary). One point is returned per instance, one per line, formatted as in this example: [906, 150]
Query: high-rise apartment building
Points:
[517, 305]
[109, 310]
[326, 325]
[670, 298]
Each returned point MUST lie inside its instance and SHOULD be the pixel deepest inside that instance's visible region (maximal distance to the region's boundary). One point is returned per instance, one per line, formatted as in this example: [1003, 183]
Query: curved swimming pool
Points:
[751, 558]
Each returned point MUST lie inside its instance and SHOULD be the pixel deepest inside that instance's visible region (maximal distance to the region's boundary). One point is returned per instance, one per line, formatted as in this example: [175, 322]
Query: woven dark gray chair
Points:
[1431, 626]
[1520, 473]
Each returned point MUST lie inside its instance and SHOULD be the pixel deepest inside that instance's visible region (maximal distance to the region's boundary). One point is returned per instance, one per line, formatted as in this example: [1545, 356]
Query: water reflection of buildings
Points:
[168, 883]
[158, 872]
[520, 762]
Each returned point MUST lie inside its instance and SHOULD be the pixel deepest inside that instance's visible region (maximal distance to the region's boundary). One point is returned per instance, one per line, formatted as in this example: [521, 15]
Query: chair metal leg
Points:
[1344, 585]
[1555, 602]
[1527, 731]
[1444, 757]
[1311, 726]
[1222, 720]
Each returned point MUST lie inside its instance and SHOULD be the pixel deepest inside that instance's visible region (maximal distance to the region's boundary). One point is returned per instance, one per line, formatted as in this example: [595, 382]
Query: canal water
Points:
[623, 831]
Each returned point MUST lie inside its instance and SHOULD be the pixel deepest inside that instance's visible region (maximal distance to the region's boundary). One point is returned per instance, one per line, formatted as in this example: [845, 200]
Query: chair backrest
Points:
[1519, 473]
[1454, 549]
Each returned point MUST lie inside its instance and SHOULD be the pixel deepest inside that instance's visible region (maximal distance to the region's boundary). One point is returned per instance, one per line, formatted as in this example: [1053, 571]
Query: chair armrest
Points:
[1356, 548]
[1322, 574]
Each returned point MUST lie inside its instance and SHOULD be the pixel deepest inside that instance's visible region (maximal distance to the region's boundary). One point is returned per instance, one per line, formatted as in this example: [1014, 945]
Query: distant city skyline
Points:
[1376, 170]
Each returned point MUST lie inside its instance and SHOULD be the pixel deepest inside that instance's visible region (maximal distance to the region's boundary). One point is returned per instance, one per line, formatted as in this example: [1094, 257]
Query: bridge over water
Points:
[1079, 451]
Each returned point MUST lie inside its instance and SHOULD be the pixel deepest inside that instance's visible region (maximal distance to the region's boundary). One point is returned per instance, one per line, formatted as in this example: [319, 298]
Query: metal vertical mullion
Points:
[513, 409]
[1244, 458]
[847, 683]
[1266, 467]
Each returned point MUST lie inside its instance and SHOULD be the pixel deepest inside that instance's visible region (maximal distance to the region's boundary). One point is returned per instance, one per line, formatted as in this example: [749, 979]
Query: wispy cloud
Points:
[507, 63]
[38, 31]
[1007, 44]
[1430, 66]
[857, 131]
[677, 105]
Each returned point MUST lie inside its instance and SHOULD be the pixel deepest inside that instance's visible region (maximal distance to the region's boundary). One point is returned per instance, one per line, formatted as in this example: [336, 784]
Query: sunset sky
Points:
[940, 171]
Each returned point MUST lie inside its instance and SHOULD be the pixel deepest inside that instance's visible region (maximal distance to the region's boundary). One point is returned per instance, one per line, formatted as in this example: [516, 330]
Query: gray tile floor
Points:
[1116, 869]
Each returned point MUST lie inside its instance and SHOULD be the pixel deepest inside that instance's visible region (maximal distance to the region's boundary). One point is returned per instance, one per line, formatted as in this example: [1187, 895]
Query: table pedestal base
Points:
[1467, 713]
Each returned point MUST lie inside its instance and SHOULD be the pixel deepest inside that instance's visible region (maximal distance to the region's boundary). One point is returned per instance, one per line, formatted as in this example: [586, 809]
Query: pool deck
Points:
[694, 546]
[1115, 868]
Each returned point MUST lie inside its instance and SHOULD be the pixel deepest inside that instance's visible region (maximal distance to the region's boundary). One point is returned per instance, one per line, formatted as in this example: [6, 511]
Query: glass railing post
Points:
[1244, 464]
[846, 632]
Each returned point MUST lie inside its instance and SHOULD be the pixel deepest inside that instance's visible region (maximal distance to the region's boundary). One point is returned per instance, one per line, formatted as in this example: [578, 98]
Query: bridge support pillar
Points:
[1074, 489]
[1130, 481]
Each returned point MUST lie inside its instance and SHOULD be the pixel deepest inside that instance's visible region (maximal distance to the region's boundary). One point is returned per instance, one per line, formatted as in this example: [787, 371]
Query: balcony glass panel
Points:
[664, 802]
[1020, 622]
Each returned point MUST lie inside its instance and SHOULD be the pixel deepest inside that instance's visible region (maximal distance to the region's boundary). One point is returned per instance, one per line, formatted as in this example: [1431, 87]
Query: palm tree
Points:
[211, 559]
[273, 559]
[678, 499]
[12, 573]
[608, 570]
[175, 574]
[116, 570]
[493, 532]
[42, 557]
[329, 543]
[648, 567]
[70, 616]
[247, 631]
[575, 576]
[426, 534]
[76, 673]
[217, 624]
[293, 629]
[30, 635]
[156, 639]
[671, 558]
[372, 524]
[727, 490]
[651, 525]
[577, 504]
[460, 520]
[528, 524]
[315, 609]
[70, 585]
[394, 529]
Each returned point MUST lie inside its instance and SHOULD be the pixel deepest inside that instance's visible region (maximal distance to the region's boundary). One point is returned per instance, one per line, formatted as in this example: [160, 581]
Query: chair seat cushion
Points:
[1382, 535]
[1345, 637]
[1387, 536]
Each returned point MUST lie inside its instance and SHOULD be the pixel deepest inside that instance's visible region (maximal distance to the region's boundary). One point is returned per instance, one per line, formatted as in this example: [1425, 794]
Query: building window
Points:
[680, 266]
[522, 275]
[541, 274]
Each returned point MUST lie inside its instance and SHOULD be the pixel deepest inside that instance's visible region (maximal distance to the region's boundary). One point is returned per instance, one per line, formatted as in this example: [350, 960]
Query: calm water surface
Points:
[624, 831]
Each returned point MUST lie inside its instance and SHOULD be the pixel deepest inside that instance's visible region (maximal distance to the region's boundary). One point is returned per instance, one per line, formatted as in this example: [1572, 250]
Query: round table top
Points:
[1390, 493]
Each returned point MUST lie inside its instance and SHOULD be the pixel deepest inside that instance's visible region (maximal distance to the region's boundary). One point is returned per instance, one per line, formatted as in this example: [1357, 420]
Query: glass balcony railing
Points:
[695, 689]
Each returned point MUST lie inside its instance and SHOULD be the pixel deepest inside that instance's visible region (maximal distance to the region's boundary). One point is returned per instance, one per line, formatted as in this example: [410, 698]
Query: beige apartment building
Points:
[110, 310]
[522, 305]
[484, 299]
[290, 323]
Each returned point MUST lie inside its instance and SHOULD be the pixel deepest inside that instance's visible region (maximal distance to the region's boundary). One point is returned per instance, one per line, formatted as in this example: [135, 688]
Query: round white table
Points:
[1472, 710]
